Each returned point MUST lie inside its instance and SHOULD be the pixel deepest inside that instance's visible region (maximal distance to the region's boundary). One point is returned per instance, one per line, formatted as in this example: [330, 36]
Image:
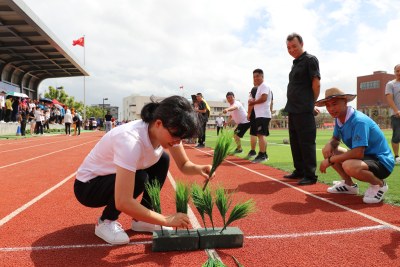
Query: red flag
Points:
[80, 41]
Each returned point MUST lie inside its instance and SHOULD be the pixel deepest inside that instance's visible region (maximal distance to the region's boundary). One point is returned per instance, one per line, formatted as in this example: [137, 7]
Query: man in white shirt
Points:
[220, 124]
[239, 115]
[261, 106]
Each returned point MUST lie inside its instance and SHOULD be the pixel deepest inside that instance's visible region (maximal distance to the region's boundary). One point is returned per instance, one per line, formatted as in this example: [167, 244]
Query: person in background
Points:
[108, 117]
[9, 108]
[302, 92]
[68, 122]
[2, 105]
[32, 121]
[261, 106]
[116, 170]
[368, 157]
[219, 121]
[22, 118]
[239, 115]
[39, 119]
[392, 92]
[203, 113]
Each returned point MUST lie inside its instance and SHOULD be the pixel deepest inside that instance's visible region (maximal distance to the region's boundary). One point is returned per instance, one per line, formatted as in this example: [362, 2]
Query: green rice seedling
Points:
[223, 201]
[208, 204]
[222, 149]
[182, 197]
[154, 189]
[211, 262]
[198, 201]
[239, 211]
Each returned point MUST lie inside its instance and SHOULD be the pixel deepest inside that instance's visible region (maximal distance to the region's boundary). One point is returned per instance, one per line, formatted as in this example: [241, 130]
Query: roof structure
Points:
[30, 52]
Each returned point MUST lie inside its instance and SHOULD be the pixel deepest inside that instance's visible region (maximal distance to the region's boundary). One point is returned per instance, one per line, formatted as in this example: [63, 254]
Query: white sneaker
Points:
[374, 194]
[339, 187]
[397, 160]
[140, 226]
[111, 232]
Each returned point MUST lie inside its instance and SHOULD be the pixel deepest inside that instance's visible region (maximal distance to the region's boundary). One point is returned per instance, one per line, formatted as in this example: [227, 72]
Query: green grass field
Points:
[280, 157]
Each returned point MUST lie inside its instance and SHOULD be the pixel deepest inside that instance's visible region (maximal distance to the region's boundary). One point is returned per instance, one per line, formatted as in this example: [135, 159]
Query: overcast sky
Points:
[150, 47]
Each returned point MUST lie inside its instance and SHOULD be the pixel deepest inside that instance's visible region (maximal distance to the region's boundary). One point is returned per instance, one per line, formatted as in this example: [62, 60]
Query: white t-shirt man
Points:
[263, 109]
[239, 115]
[127, 146]
[219, 121]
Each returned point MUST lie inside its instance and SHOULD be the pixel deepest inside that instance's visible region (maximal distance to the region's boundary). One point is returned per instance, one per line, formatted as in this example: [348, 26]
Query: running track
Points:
[41, 223]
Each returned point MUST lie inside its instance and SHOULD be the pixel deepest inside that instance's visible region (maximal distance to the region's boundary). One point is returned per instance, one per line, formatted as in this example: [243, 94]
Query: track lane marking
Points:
[33, 201]
[369, 217]
[41, 156]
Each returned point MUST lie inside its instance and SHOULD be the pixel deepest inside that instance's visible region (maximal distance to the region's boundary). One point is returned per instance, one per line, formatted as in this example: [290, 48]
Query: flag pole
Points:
[84, 82]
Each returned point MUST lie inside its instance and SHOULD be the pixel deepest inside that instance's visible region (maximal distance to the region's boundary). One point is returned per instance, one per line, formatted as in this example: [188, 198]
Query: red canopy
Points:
[55, 101]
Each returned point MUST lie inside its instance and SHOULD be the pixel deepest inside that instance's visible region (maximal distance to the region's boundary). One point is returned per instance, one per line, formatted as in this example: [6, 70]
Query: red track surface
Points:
[41, 223]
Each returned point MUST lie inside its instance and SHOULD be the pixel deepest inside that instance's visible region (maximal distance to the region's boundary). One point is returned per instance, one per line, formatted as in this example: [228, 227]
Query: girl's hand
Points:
[205, 171]
[178, 220]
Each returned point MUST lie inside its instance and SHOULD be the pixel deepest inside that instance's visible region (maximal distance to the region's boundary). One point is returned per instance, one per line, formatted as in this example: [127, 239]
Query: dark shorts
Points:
[241, 129]
[396, 129]
[260, 126]
[376, 167]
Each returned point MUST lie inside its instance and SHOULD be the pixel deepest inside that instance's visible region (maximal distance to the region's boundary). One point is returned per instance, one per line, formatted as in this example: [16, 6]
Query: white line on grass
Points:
[369, 217]
[33, 201]
[44, 155]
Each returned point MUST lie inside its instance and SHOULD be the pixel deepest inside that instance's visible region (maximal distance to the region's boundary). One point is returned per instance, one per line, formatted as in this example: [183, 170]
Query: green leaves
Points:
[198, 201]
[182, 196]
[223, 201]
[222, 149]
[153, 189]
[239, 211]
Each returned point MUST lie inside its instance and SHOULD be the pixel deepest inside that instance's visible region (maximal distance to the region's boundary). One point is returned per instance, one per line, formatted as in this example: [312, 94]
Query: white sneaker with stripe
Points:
[374, 194]
[340, 187]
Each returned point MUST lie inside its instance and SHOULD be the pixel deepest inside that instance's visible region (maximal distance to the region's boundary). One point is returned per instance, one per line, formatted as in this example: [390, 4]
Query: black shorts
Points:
[241, 129]
[396, 129]
[376, 167]
[260, 126]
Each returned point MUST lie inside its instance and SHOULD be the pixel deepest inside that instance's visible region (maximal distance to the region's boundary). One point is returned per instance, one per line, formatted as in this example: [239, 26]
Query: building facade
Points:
[371, 98]
[132, 106]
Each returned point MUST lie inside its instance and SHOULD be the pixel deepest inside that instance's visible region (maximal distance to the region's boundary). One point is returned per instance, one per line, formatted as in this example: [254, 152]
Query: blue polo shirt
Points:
[361, 130]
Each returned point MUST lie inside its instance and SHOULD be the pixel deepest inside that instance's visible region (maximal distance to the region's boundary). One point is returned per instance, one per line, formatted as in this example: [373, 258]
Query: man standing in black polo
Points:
[203, 117]
[302, 92]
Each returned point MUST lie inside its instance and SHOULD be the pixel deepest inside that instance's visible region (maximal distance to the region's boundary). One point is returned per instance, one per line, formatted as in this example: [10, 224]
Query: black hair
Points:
[176, 114]
[230, 93]
[294, 35]
[259, 71]
[199, 94]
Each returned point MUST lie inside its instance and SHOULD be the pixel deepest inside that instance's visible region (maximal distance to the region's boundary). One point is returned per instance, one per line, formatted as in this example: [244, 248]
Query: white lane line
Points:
[195, 223]
[44, 144]
[16, 249]
[293, 235]
[369, 217]
[320, 233]
[44, 155]
[33, 201]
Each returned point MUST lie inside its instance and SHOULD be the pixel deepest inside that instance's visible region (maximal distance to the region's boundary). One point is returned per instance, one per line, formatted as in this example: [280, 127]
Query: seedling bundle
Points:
[204, 200]
[207, 237]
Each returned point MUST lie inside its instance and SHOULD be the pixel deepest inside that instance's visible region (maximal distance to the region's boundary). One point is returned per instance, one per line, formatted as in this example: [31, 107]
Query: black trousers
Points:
[202, 136]
[219, 128]
[99, 192]
[302, 135]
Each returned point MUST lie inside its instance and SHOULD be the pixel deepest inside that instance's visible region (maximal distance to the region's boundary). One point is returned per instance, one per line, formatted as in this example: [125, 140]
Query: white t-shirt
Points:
[239, 115]
[263, 109]
[127, 146]
[220, 121]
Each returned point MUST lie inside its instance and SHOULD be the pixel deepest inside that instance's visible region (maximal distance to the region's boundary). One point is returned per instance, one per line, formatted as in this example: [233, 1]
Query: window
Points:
[370, 85]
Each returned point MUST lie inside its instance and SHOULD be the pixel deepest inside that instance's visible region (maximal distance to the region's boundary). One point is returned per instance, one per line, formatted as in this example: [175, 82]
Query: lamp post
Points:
[103, 109]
